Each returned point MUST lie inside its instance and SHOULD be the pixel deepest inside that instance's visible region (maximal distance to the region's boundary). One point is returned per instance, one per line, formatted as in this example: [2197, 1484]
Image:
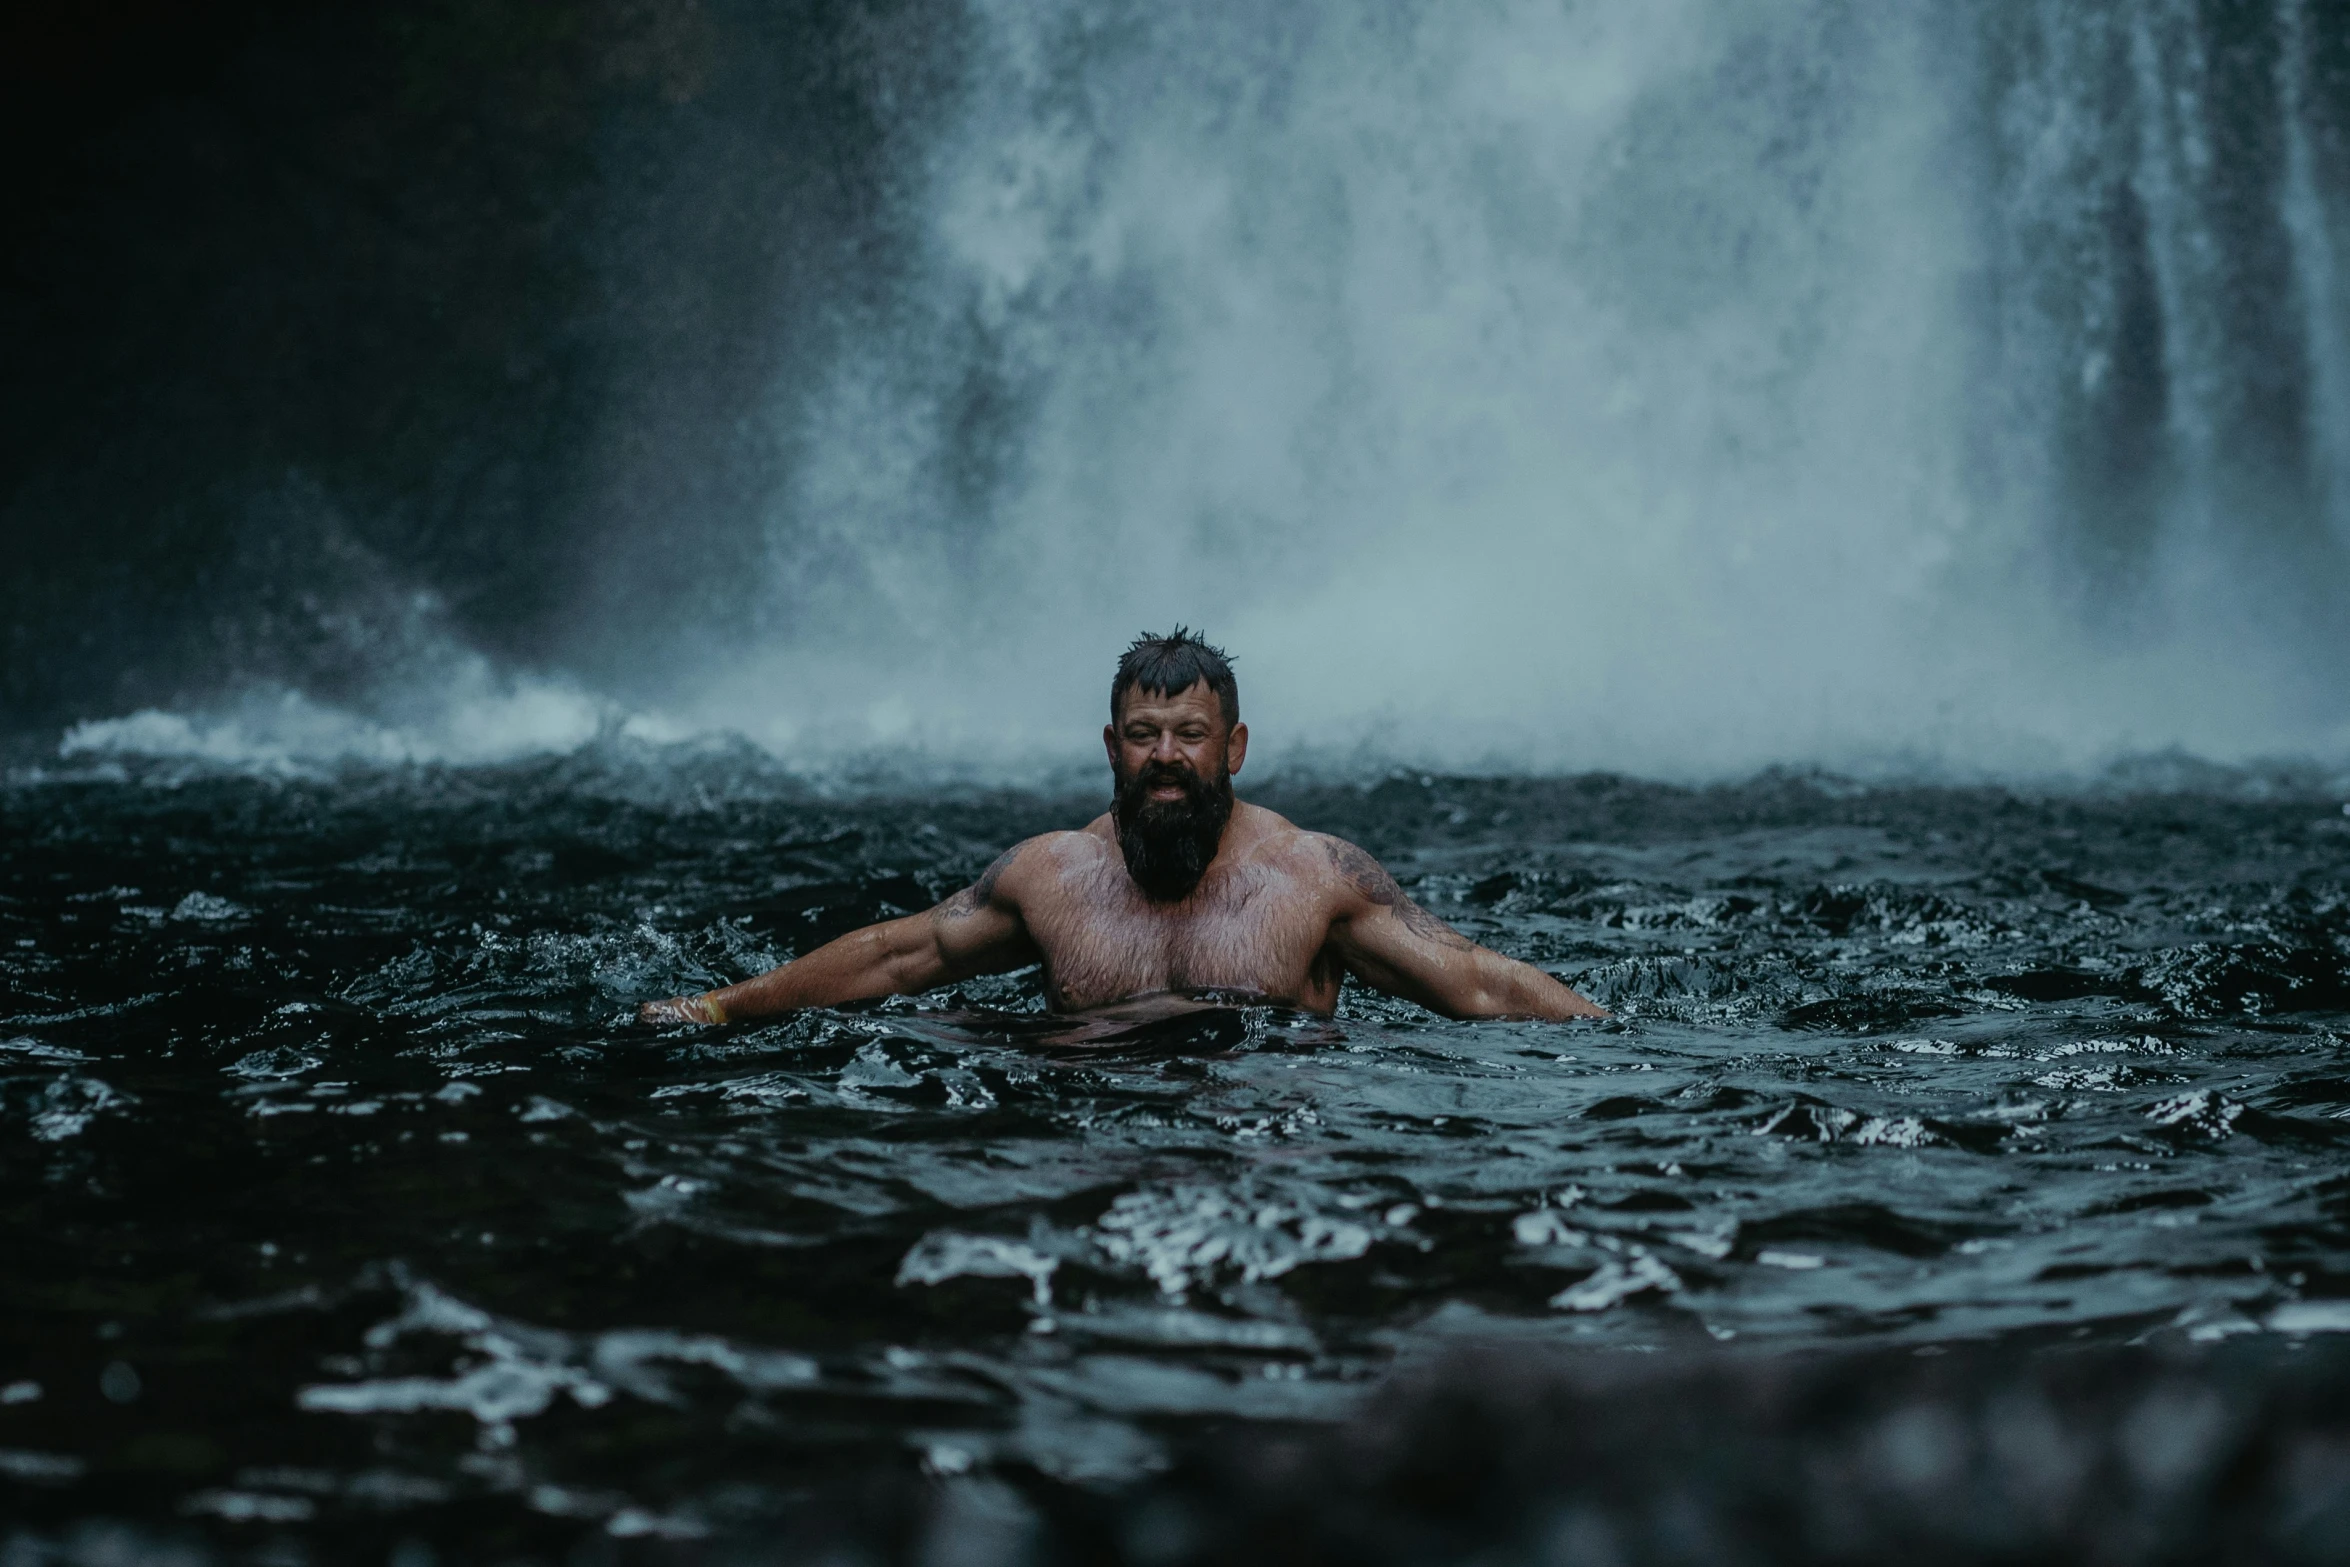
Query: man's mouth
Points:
[1165, 784]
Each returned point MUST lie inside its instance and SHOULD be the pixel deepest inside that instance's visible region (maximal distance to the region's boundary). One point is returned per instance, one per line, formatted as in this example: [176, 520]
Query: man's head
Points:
[1175, 739]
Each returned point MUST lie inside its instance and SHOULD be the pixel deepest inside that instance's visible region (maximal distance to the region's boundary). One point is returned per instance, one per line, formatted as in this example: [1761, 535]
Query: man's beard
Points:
[1168, 843]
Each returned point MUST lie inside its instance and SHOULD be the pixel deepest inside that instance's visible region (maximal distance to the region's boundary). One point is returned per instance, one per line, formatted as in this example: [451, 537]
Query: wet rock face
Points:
[331, 1155]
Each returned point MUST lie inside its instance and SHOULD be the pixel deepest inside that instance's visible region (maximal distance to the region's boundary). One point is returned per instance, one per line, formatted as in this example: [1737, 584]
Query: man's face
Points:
[1173, 760]
[1184, 731]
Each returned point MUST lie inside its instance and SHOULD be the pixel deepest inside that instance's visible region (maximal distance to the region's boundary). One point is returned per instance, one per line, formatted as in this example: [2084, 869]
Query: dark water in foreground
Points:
[345, 1216]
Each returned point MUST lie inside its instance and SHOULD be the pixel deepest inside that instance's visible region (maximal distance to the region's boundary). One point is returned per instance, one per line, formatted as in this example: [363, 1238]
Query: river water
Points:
[346, 1212]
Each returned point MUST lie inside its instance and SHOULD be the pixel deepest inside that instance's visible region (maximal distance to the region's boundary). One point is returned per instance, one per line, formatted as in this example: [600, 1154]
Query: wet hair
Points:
[1172, 664]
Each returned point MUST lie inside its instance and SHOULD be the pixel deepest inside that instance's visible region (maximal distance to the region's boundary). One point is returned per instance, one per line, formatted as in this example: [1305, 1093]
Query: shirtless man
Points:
[1178, 887]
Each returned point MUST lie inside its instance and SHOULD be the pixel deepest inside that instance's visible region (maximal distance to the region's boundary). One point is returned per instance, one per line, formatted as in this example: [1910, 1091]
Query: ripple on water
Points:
[354, 1141]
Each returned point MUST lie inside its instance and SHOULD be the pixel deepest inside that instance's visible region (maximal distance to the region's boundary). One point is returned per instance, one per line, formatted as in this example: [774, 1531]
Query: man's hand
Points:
[681, 1009]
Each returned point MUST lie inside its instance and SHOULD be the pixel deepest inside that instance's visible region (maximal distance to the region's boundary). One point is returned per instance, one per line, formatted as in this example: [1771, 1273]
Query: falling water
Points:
[1674, 387]
[2315, 227]
[1678, 387]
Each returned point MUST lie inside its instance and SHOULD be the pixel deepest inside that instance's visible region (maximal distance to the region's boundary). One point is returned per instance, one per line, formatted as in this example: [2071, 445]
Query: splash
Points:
[478, 717]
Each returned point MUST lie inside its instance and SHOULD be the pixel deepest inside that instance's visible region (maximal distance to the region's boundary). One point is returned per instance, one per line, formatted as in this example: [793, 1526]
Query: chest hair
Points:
[1246, 927]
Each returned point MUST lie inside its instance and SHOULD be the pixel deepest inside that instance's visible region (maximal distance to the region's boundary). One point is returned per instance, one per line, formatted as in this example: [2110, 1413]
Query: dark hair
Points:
[1172, 664]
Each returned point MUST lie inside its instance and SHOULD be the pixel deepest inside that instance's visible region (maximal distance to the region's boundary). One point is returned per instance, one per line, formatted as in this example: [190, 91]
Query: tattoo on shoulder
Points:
[1370, 878]
[980, 893]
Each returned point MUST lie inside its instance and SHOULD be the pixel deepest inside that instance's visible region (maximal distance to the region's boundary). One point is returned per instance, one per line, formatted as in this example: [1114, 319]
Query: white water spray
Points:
[1593, 385]
[1680, 386]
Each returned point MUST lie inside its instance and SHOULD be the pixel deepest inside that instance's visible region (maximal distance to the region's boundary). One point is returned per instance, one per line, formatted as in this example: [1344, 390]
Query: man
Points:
[1177, 888]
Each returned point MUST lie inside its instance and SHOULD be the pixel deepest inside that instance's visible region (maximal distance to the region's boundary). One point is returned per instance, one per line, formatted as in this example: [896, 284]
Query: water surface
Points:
[344, 1205]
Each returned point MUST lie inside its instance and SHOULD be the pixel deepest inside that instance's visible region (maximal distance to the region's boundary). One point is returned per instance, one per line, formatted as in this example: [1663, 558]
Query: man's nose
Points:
[1167, 749]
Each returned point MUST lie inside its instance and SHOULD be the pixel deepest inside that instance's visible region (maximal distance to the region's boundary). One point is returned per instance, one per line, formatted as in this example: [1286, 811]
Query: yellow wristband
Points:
[709, 1001]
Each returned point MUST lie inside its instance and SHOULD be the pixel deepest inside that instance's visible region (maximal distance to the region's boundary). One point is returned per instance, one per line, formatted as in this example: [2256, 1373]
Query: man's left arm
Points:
[1390, 942]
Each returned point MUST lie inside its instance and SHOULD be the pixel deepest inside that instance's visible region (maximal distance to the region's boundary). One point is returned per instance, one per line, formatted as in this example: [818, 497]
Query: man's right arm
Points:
[977, 931]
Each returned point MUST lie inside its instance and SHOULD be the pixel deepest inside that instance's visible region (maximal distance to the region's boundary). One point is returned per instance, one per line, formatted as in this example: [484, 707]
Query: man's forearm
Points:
[1515, 989]
[880, 960]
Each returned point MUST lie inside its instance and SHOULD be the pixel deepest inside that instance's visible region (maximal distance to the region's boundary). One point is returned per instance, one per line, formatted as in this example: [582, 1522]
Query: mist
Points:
[1678, 388]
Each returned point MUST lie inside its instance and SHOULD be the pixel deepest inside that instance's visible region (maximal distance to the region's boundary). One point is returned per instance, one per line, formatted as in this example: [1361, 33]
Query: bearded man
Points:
[1178, 888]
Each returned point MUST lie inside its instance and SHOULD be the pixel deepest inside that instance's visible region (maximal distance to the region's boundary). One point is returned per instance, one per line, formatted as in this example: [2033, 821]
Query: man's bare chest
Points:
[1251, 929]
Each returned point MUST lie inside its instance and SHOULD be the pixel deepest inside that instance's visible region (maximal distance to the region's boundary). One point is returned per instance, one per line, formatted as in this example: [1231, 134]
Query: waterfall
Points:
[1669, 385]
[1673, 386]
[2317, 231]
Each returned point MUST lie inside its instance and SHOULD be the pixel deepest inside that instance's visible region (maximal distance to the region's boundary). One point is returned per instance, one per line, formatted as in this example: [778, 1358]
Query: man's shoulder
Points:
[1059, 843]
[1320, 856]
[1015, 861]
[1267, 836]
[1346, 868]
[1053, 853]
